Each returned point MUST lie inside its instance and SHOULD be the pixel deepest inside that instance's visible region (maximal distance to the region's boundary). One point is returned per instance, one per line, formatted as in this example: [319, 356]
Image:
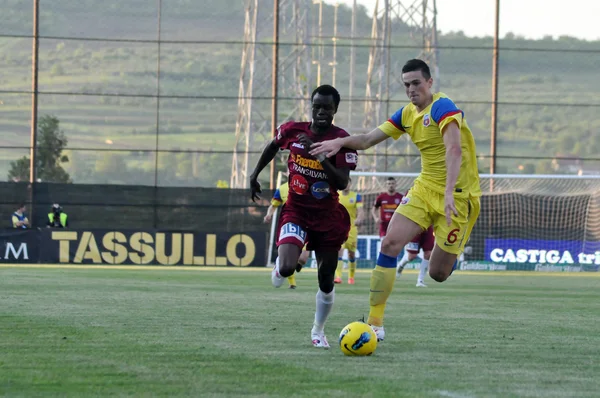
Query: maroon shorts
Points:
[324, 230]
[383, 226]
[425, 240]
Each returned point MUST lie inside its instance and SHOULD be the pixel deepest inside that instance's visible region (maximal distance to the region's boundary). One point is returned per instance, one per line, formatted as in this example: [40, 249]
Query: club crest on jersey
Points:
[426, 120]
[405, 200]
[320, 189]
[298, 184]
[397, 200]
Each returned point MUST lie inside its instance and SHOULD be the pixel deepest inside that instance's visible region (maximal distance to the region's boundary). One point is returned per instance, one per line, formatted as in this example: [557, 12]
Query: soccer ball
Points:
[358, 339]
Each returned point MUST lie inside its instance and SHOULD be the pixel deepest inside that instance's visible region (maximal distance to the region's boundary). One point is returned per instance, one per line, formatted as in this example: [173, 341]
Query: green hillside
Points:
[200, 81]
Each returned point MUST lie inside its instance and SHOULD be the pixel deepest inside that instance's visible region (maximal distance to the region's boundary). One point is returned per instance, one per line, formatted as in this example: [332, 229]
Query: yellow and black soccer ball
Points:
[358, 339]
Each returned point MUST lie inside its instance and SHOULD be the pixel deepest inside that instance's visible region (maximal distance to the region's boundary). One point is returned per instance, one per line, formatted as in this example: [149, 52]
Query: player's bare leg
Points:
[340, 267]
[351, 266]
[327, 263]
[423, 269]
[400, 231]
[302, 260]
[407, 258]
[285, 264]
[441, 264]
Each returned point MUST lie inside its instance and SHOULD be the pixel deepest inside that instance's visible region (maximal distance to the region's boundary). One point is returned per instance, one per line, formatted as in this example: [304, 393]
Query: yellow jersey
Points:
[352, 202]
[425, 130]
[280, 196]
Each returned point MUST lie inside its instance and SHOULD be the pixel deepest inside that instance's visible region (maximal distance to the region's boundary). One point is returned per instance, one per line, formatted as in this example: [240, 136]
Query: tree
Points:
[51, 142]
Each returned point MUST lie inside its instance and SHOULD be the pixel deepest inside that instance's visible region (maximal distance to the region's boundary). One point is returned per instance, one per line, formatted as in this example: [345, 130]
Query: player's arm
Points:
[340, 176]
[375, 210]
[266, 157]
[269, 216]
[356, 142]
[360, 216]
[451, 135]
[393, 127]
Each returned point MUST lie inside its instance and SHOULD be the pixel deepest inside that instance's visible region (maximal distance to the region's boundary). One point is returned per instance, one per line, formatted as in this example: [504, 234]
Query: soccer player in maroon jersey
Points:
[312, 213]
[386, 203]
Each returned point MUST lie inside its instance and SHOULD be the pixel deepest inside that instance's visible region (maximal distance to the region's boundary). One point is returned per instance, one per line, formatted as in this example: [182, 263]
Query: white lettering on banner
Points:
[10, 248]
[311, 173]
[535, 256]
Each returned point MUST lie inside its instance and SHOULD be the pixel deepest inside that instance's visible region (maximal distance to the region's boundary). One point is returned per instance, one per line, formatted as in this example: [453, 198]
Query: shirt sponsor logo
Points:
[319, 175]
[298, 184]
[306, 162]
[426, 120]
[320, 189]
[351, 158]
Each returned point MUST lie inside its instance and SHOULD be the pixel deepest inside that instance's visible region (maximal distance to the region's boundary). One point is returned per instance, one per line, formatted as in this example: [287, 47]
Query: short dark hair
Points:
[391, 179]
[414, 65]
[326, 89]
[21, 205]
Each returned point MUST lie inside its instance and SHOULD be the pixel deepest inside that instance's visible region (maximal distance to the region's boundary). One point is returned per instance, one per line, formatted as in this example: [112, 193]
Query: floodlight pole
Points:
[494, 121]
[34, 104]
[274, 82]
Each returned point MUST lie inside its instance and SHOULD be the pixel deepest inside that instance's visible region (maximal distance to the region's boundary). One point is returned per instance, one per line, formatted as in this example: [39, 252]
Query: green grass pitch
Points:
[228, 333]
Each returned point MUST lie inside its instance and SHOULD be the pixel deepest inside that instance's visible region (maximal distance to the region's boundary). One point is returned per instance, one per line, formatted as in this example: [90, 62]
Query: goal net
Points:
[527, 222]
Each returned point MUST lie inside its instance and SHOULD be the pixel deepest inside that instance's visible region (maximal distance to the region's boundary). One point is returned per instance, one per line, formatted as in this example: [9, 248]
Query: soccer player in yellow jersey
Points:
[279, 198]
[352, 201]
[445, 194]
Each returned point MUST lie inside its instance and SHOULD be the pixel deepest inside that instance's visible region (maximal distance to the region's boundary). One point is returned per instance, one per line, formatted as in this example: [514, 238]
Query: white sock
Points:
[403, 261]
[423, 270]
[324, 305]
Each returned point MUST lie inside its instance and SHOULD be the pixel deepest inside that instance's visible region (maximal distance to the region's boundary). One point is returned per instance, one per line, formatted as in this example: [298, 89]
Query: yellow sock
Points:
[351, 268]
[340, 268]
[292, 280]
[382, 283]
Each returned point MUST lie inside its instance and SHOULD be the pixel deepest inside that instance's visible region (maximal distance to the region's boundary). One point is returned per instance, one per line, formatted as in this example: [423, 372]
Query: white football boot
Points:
[379, 332]
[421, 284]
[319, 340]
[276, 279]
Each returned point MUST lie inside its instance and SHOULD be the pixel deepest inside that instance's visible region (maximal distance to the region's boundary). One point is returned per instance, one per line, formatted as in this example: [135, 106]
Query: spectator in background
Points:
[57, 218]
[19, 219]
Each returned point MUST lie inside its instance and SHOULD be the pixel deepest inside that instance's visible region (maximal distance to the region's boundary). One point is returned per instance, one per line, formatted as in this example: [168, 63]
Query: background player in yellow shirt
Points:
[279, 198]
[352, 201]
[445, 194]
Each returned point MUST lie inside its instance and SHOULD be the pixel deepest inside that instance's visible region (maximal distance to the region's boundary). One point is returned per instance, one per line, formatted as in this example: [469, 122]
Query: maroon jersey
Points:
[309, 185]
[387, 205]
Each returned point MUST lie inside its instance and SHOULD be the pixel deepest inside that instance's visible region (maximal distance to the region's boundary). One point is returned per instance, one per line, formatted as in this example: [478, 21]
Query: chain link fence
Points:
[147, 92]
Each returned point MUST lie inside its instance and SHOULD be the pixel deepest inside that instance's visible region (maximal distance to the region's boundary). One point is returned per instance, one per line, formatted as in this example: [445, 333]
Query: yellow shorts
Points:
[351, 242]
[426, 207]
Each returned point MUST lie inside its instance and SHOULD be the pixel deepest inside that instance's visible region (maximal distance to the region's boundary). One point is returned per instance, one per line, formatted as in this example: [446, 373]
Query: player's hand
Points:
[304, 140]
[449, 208]
[255, 189]
[329, 148]
[268, 218]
